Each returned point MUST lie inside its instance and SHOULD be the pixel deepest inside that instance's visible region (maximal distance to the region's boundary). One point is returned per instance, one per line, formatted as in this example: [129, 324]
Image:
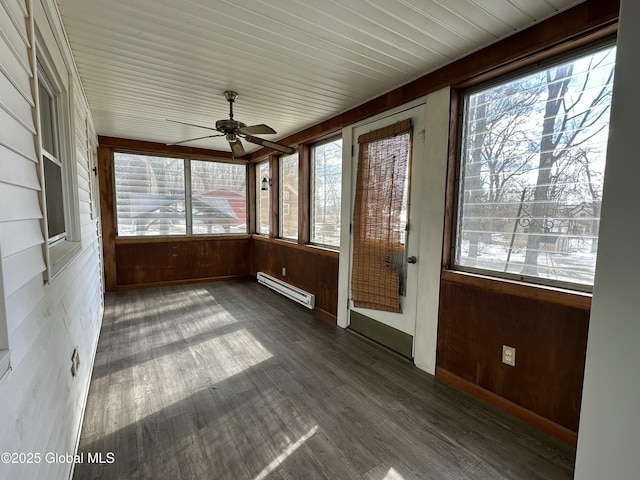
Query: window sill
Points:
[291, 244]
[183, 238]
[61, 255]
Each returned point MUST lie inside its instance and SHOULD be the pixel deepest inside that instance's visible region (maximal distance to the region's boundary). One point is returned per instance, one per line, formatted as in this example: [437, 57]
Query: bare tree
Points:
[566, 125]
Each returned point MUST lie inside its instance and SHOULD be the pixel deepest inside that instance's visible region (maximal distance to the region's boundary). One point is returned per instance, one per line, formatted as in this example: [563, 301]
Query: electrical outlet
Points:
[509, 355]
[284, 271]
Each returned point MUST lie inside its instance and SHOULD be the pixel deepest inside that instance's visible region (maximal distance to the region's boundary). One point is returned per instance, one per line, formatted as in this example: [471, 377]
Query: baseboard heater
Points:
[294, 293]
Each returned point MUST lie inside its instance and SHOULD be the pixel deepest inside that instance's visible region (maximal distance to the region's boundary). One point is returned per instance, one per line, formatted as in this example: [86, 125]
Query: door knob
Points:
[412, 259]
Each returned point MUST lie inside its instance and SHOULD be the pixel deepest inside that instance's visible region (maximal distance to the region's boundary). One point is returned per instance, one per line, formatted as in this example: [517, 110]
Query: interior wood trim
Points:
[317, 249]
[588, 38]
[326, 315]
[107, 216]
[451, 179]
[274, 196]
[141, 146]
[188, 281]
[251, 197]
[304, 194]
[178, 239]
[522, 413]
[567, 30]
[542, 293]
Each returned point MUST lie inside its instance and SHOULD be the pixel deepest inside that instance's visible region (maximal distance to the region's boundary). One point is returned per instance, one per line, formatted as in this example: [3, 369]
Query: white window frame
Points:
[54, 157]
[59, 250]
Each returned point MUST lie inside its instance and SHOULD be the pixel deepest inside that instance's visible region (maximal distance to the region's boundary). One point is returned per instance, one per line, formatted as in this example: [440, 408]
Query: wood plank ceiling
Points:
[294, 63]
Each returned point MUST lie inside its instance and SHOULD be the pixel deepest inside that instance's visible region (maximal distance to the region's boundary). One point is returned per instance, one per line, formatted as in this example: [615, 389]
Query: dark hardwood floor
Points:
[230, 380]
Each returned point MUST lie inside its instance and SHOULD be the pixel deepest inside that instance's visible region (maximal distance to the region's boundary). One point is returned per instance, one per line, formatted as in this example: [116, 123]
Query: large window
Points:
[326, 185]
[219, 197]
[150, 195]
[533, 157]
[175, 196]
[54, 178]
[289, 197]
[262, 198]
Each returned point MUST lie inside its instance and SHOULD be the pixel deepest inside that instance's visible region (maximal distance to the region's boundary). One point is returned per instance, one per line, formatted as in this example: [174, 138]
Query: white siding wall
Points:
[41, 404]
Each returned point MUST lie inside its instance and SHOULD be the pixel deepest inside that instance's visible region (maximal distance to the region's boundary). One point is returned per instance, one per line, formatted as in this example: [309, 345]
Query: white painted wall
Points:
[432, 205]
[41, 404]
[609, 435]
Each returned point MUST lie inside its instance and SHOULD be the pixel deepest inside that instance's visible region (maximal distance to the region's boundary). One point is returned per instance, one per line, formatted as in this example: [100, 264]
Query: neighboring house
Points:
[222, 208]
[289, 208]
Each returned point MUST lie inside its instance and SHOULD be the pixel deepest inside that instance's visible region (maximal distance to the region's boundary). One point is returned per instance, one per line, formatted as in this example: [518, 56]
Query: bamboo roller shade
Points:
[377, 232]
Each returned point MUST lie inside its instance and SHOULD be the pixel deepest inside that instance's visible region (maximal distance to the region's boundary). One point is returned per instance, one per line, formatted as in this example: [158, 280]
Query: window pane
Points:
[262, 199]
[54, 199]
[533, 160]
[326, 179]
[289, 197]
[47, 119]
[218, 197]
[150, 196]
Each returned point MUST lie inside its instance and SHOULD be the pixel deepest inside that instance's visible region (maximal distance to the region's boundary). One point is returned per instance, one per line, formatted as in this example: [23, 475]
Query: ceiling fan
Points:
[235, 130]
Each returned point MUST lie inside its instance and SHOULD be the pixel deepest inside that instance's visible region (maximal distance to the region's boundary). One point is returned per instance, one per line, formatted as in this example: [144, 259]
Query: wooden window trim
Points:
[542, 293]
[152, 148]
[304, 193]
[328, 252]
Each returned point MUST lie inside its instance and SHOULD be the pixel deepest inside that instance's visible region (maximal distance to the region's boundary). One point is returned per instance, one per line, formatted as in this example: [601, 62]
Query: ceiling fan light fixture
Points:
[234, 130]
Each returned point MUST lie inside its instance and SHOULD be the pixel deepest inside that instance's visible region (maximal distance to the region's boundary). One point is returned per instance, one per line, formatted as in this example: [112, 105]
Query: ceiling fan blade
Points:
[192, 140]
[236, 147]
[261, 129]
[190, 124]
[266, 143]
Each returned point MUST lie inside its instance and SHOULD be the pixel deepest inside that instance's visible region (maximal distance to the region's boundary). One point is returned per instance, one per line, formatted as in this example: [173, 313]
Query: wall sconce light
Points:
[265, 183]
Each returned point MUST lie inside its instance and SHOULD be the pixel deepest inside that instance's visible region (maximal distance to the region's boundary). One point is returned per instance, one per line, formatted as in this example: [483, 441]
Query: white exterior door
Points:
[405, 321]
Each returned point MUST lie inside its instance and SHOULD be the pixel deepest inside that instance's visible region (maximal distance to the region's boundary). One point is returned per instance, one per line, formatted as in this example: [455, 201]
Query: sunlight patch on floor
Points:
[285, 454]
[392, 474]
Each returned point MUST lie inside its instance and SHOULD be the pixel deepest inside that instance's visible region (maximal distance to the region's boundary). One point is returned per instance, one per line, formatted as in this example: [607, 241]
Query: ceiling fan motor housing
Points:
[228, 126]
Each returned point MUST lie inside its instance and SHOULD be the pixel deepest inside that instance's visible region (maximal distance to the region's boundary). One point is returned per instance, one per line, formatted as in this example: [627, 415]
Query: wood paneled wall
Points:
[144, 262]
[478, 316]
[309, 268]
